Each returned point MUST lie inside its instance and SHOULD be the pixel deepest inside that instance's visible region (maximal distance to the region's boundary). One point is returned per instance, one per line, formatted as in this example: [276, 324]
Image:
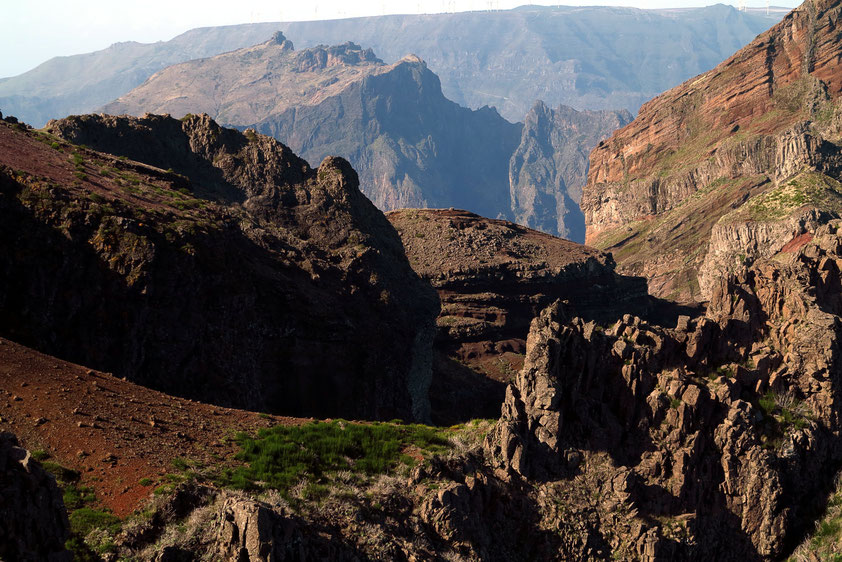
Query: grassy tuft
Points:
[282, 456]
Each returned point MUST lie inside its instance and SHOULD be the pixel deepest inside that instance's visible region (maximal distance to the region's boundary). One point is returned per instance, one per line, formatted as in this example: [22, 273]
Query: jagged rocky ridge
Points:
[740, 136]
[549, 168]
[716, 439]
[493, 277]
[411, 146]
[213, 265]
[723, 433]
[586, 57]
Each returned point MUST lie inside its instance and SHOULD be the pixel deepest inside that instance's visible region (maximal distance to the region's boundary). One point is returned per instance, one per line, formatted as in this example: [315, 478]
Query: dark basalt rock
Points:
[33, 521]
[262, 284]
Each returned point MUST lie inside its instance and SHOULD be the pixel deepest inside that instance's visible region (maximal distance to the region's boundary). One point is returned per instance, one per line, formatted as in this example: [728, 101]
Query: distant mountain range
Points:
[411, 146]
[584, 57]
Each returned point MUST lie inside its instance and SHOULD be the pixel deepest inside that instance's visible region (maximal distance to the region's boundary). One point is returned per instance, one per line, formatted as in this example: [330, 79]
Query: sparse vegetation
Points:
[282, 456]
[825, 543]
[782, 414]
[808, 188]
[84, 515]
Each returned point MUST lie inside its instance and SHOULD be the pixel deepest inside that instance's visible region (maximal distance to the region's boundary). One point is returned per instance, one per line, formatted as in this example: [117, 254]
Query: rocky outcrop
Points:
[342, 100]
[549, 169]
[657, 187]
[34, 524]
[493, 277]
[411, 146]
[720, 434]
[240, 276]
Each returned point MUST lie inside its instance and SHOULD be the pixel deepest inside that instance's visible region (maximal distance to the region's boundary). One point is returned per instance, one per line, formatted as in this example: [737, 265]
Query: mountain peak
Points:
[413, 59]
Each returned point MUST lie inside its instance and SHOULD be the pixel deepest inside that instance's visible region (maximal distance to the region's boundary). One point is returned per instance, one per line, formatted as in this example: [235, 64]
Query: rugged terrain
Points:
[120, 437]
[550, 166]
[756, 133]
[584, 57]
[713, 439]
[81, 83]
[493, 277]
[212, 265]
[627, 434]
[718, 439]
[411, 146]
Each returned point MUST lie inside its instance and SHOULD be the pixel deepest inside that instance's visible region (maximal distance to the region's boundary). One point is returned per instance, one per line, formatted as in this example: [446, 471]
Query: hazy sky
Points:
[37, 30]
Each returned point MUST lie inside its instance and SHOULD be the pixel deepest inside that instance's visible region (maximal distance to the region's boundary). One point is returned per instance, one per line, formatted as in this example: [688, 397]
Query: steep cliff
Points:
[238, 276]
[587, 57]
[658, 186]
[411, 146]
[549, 168]
[493, 277]
[713, 440]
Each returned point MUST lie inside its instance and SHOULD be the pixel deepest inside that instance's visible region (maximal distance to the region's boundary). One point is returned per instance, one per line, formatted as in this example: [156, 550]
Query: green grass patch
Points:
[85, 519]
[83, 514]
[282, 456]
[782, 414]
[39, 455]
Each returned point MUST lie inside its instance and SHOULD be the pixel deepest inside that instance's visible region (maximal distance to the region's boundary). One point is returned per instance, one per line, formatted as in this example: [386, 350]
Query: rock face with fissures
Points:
[210, 264]
[493, 277]
[722, 140]
[710, 440]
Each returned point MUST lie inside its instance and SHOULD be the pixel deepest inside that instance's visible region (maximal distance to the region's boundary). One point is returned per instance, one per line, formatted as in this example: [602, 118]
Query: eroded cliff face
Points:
[411, 146]
[549, 168]
[658, 186]
[493, 277]
[239, 276]
[716, 439]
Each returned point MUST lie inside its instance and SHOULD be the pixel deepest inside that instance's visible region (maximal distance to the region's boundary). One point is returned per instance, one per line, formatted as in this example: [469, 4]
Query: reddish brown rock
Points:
[659, 185]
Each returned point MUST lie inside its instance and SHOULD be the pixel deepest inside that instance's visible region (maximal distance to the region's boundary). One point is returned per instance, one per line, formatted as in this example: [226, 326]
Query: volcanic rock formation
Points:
[588, 57]
[549, 169]
[722, 432]
[210, 264]
[493, 277]
[411, 145]
[741, 134]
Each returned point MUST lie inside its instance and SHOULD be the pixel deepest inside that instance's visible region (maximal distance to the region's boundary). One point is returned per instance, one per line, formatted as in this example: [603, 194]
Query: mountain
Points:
[583, 57]
[81, 83]
[549, 168]
[728, 167]
[411, 146]
[493, 277]
[210, 264]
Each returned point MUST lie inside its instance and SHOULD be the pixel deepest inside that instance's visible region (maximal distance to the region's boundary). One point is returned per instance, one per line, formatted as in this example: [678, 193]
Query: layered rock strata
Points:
[493, 277]
[210, 264]
[657, 188]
